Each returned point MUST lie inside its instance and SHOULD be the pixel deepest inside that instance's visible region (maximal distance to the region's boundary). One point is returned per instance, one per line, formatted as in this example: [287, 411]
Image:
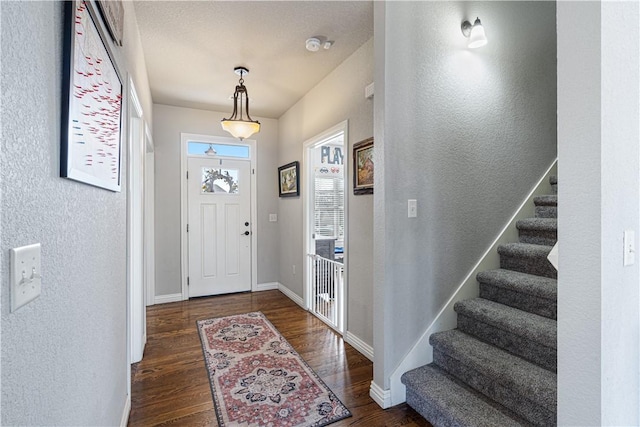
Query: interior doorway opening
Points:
[326, 226]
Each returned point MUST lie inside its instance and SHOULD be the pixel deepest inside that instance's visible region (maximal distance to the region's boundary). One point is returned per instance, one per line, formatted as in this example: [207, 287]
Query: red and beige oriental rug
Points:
[258, 379]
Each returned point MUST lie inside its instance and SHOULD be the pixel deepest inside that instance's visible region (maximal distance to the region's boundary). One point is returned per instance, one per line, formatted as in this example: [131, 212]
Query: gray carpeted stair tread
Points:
[547, 200]
[536, 328]
[542, 224]
[527, 258]
[445, 401]
[538, 231]
[546, 212]
[535, 294]
[521, 386]
[527, 335]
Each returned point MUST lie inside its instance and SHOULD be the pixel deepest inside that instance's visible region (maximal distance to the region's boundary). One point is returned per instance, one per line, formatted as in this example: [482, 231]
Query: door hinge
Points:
[187, 280]
[253, 171]
[187, 174]
[187, 228]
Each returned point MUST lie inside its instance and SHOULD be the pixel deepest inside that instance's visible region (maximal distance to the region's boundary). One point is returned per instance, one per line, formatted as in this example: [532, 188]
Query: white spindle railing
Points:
[327, 279]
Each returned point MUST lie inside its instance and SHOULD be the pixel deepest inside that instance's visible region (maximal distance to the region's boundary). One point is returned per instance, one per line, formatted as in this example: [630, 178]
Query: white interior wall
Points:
[338, 97]
[169, 122]
[63, 357]
[466, 133]
[598, 156]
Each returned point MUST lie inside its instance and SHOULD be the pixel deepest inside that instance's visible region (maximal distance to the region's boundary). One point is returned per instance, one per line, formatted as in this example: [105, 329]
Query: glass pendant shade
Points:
[477, 37]
[237, 125]
[241, 128]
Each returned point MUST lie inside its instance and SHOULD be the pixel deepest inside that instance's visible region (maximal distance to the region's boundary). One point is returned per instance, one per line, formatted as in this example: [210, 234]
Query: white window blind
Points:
[329, 207]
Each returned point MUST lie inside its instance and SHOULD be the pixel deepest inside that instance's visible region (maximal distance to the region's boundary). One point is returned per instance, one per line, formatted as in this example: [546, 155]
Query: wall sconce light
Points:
[236, 125]
[475, 33]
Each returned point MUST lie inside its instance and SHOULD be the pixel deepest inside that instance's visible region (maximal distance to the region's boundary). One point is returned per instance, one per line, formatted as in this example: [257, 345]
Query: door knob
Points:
[246, 233]
[246, 224]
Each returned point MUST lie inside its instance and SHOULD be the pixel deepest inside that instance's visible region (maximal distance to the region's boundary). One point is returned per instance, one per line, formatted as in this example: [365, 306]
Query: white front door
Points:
[219, 194]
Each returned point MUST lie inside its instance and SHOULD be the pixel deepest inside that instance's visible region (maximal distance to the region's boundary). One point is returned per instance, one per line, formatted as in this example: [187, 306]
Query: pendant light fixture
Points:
[237, 125]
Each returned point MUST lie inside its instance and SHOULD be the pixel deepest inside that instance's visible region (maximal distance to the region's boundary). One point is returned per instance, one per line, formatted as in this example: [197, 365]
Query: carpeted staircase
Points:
[498, 368]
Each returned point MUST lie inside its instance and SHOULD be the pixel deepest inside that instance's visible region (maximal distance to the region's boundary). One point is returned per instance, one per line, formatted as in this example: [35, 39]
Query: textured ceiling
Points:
[192, 47]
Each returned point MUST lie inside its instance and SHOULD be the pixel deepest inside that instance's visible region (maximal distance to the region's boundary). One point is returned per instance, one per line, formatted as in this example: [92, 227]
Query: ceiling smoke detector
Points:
[313, 44]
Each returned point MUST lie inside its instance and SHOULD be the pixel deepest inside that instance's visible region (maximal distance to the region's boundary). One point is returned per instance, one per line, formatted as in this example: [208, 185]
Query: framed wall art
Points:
[289, 180]
[91, 147]
[113, 14]
[363, 167]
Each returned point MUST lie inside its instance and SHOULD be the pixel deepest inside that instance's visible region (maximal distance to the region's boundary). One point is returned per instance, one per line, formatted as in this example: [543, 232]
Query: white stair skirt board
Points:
[267, 286]
[380, 396]
[365, 349]
[422, 353]
[291, 295]
[163, 299]
[124, 421]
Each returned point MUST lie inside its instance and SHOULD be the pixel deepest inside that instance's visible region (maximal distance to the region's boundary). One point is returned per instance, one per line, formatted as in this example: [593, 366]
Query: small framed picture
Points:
[112, 12]
[289, 180]
[363, 167]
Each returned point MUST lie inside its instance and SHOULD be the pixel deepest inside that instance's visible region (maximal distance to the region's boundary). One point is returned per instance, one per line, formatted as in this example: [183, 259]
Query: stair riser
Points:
[534, 352]
[531, 264]
[519, 404]
[532, 304]
[435, 415]
[539, 237]
[546, 212]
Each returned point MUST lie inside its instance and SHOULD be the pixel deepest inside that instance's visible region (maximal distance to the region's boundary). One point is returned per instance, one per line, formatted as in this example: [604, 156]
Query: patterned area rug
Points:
[258, 379]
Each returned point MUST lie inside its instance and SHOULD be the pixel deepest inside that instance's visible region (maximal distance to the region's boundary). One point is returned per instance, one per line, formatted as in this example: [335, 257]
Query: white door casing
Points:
[219, 226]
[135, 228]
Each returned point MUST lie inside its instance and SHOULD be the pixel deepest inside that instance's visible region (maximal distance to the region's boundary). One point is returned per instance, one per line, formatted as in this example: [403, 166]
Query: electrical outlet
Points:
[26, 282]
[294, 269]
[273, 217]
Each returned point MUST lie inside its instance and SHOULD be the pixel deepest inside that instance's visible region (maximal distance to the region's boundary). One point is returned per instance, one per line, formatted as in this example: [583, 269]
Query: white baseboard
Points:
[124, 420]
[163, 299]
[365, 349]
[292, 295]
[422, 353]
[266, 286]
[380, 396]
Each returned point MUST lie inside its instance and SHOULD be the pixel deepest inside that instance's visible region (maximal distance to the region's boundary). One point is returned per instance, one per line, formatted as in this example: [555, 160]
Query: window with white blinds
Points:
[329, 207]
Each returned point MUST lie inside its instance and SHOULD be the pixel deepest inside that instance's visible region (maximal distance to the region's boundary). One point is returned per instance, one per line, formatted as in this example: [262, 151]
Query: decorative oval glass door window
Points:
[220, 181]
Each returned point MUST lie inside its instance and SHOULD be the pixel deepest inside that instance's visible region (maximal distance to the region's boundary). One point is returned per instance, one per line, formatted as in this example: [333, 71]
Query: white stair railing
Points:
[327, 280]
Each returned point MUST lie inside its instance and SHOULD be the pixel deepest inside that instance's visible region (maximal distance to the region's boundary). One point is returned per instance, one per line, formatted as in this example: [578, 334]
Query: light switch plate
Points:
[629, 248]
[26, 281]
[412, 206]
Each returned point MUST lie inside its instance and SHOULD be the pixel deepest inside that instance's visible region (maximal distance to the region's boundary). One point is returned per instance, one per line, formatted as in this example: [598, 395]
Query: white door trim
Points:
[136, 327]
[307, 200]
[149, 218]
[184, 213]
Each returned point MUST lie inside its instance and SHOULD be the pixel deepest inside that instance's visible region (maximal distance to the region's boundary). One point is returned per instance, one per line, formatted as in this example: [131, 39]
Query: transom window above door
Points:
[218, 149]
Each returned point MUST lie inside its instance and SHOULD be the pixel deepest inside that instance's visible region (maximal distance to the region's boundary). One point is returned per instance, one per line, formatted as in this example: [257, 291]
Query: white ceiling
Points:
[192, 47]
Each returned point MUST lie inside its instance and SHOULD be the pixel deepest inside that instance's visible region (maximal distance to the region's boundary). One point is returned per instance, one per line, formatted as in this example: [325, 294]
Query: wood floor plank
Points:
[170, 386]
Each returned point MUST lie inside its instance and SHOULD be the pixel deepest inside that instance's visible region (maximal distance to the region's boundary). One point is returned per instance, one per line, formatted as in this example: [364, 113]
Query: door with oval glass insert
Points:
[219, 195]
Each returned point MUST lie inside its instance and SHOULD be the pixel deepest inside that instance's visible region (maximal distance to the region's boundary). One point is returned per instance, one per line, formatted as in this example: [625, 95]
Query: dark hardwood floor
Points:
[170, 385]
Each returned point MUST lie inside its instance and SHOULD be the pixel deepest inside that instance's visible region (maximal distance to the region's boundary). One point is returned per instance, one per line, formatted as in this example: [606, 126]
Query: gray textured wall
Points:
[64, 356]
[598, 150]
[169, 122]
[338, 97]
[466, 133]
